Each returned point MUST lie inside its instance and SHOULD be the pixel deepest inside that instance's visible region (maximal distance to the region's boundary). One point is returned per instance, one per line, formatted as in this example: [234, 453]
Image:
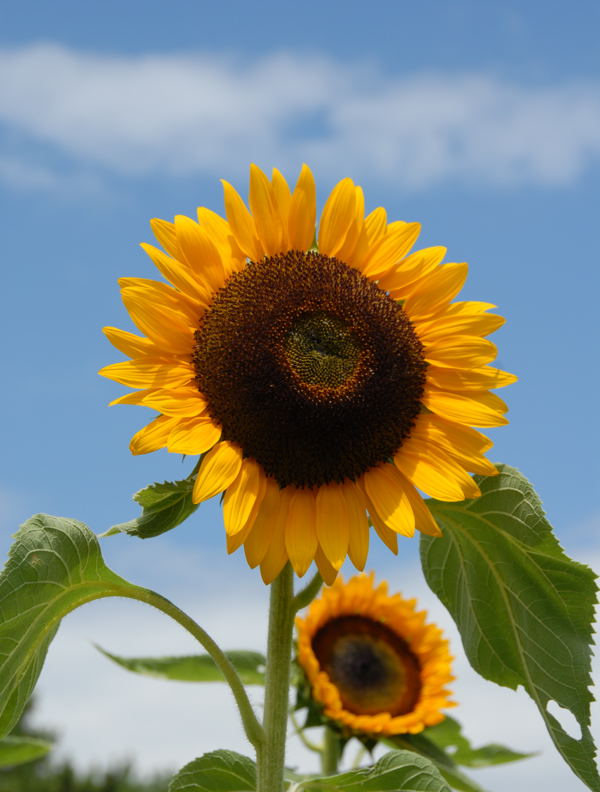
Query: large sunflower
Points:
[372, 662]
[323, 380]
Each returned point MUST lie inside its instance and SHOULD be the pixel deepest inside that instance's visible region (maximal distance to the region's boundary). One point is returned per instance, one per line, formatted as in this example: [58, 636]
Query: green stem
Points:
[331, 752]
[299, 731]
[253, 729]
[308, 593]
[271, 754]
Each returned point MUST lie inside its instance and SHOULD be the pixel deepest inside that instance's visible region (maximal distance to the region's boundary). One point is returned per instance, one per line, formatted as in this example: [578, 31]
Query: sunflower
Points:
[372, 662]
[324, 379]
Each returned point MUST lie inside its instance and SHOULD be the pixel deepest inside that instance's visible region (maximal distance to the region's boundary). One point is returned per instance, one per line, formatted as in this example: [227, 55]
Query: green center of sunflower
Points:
[314, 371]
[321, 350]
[373, 668]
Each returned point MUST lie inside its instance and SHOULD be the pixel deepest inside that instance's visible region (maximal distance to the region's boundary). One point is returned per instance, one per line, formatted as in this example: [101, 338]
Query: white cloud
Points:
[173, 114]
[104, 713]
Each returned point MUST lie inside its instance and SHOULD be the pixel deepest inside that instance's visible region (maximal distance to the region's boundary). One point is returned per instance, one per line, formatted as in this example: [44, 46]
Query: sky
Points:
[479, 119]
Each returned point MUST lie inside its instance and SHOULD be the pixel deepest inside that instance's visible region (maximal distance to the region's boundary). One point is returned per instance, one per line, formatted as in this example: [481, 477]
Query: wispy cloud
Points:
[171, 114]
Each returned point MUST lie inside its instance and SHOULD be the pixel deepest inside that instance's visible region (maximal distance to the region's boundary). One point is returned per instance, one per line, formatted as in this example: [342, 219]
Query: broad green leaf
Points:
[449, 770]
[448, 735]
[397, 771]
[523, 608]
[19, 750]
[164, 506]
[54, 566]
[218, 771]
[195, 668]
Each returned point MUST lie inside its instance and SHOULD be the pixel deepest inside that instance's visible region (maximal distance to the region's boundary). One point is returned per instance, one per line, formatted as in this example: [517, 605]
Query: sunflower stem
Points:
[270, 756]
[330, 756]
[307, 594]
[253, 729]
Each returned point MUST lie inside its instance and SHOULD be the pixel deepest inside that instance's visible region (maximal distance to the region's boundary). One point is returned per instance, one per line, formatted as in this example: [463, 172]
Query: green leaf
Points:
[19, 750]
[195, 668]
[445, 764]
[448, 734]
[218, 771]
[523, 608]
[164, 506]
[397, 771]
[54, 566]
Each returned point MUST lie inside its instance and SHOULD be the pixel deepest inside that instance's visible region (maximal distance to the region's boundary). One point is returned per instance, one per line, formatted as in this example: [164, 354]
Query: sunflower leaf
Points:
[217, 771]
[164, 505]
[195, 668]
[397, 771]
[54, 566]
[523, 608]
[448, 734]
[19, 750]
[420, 744]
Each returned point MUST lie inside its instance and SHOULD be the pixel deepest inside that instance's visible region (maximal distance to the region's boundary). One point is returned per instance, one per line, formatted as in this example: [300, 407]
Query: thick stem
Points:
[330, 756]
[254, 731]
[271, 754]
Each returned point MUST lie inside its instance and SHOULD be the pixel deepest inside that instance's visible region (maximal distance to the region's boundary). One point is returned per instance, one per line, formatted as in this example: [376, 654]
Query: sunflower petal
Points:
[200, 253]
[387, 495]
[241, 223]
[266, 218]
[153, 436]
[337, 217]
[194, 436]
[149, 372]
[242, 495]
[358, 525]
[303, 211]
[434, 472]
[435, 290]
[402, 277]
[391, 250]
[460, 351]
[300, 530]
[165, 234]
[128, 343]
[276, 556]
[218, 469]
[480, 379]
[259, 538]
[326, 570]
[179, 275]
[474, 409]
[332, 523]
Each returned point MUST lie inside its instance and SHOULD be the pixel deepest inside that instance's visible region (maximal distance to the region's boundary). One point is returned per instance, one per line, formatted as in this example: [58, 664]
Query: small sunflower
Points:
[373, 663]
[323, 382]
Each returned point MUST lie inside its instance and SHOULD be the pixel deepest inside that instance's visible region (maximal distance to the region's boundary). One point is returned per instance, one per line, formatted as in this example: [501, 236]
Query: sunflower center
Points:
[373, 668]
[310, 368]
[321, 350]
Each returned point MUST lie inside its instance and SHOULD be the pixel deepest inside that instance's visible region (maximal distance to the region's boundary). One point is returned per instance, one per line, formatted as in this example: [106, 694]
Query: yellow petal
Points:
[163, 295]
[242, 495]
[391, 249]
[401, 278]
[303, 212]
[153, 436]
[481, 324]
[476, 379]
[463, 444]
[129, 343]
[387, 536]
[149, 372]
[180, 403]
[179, 275]
[281, 194]
[332, 522]
[194, 436]
[217, 227]
[468, 307]
[327, 572]
[376, 225]
[166, 327]
[276, 556]
[300, 530]
[259, 538]
[436, 289]
[355, 232]
[218, 469]
[434, 472]
[200, 253]
[385, 491]
[424, 520]
[456, 351]
[165, 233]
[358, 525]
[241, 223]
[473, 409]
[337, 217]
[267, 221]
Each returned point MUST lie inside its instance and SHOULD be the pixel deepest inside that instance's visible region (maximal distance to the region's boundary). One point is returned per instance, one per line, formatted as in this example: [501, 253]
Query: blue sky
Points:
[479, 119]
